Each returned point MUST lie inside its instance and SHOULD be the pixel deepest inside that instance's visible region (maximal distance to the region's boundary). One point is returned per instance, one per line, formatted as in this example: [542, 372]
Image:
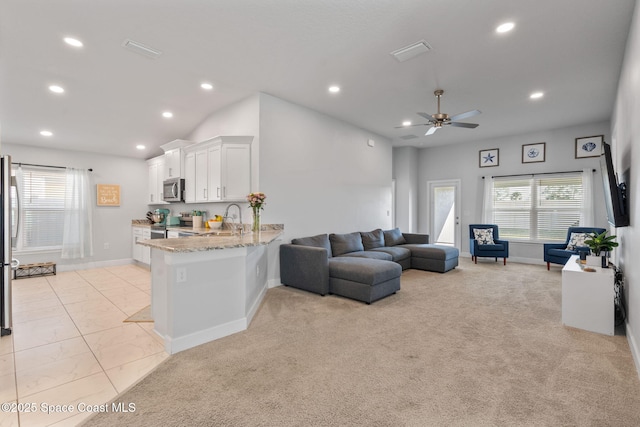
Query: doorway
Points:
[444, 212]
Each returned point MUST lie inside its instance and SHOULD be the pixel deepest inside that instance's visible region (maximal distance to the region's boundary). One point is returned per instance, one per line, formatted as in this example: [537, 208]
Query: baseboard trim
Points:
[520, 260]
[175, 345]
[274, 283]
[94, 264]
[633, 346]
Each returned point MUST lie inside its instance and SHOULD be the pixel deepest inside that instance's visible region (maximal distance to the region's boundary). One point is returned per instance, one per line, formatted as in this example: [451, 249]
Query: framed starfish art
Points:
[489, 157]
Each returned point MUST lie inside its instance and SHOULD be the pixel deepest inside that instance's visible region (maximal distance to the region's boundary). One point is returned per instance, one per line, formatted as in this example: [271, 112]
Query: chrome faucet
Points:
[226, 215]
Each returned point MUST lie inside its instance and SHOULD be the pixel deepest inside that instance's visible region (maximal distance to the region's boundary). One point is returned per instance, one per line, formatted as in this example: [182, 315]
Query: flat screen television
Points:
[615, 195]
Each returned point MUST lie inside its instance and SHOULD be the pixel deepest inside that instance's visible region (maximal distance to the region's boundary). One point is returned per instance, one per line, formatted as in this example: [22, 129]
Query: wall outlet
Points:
[106, 245]
[181, 275]
[258, 271]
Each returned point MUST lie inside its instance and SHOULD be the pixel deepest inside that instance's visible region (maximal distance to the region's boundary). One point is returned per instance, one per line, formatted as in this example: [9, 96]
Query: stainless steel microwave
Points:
[173, 190]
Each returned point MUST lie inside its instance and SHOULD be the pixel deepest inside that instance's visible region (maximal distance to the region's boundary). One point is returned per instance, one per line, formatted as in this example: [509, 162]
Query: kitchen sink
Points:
[218, 233]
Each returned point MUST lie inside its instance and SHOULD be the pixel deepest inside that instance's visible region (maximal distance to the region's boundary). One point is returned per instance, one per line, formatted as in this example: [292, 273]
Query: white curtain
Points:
[77, 232]
[587, 211]
[487, 201]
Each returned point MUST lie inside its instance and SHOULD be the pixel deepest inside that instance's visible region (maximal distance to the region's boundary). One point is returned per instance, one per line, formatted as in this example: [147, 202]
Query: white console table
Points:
[588, 297]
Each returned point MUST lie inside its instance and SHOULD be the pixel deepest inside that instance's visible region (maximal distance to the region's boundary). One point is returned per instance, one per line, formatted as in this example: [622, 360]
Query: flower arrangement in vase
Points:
[256, 200]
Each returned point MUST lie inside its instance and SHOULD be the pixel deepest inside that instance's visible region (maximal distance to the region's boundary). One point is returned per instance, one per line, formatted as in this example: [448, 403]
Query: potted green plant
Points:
[599, 243]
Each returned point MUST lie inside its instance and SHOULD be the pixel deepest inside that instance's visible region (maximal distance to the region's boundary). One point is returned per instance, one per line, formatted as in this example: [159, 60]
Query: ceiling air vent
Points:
[411, 51]
[405, 137]
[141, 49]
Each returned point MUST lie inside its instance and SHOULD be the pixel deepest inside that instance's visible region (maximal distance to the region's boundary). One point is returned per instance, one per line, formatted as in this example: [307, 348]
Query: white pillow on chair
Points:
[484, 236]
[577, 239]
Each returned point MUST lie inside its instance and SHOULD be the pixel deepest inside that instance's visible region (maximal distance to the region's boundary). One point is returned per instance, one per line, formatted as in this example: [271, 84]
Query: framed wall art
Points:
[589, 146]
[107, 195]
[489, 158]
[533, 153]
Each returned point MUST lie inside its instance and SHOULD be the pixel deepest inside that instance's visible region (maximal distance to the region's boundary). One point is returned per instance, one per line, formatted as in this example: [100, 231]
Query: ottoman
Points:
[433, 257]
[363, 279]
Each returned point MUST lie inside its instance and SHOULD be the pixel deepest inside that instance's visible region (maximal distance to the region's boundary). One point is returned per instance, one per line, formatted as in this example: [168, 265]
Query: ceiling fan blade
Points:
[466, 115]
[426, 116]
[464, 125]
[431, 130]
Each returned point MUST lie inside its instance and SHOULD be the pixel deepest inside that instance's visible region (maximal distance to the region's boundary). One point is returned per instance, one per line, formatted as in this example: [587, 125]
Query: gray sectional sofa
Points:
[365, 266]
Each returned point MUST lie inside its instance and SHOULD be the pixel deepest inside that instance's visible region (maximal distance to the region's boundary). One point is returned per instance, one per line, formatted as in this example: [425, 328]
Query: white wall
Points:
[405, 173]
[319, 174]
[461, 161]
[625, 131]
[111, 225]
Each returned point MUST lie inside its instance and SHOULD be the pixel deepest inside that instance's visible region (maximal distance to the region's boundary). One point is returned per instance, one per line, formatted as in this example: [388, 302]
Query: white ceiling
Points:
[294, 49]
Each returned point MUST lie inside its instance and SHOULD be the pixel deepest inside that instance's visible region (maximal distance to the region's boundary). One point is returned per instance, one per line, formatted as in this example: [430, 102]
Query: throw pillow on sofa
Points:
[319, 241]
[372, 239]
[484, 236]
[393, 237]
[345, 243]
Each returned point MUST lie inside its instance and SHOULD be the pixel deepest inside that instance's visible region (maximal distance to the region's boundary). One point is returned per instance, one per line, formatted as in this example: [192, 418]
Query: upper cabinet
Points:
[156, 168]
[218, 169]
[174, 157]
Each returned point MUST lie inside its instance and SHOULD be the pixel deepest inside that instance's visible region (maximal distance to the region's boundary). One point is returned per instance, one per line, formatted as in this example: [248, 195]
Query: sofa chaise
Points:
[365, 266]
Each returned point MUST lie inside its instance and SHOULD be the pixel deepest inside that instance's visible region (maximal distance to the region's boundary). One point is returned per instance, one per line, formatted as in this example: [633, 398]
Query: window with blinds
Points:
[537, 208]
[41, 208]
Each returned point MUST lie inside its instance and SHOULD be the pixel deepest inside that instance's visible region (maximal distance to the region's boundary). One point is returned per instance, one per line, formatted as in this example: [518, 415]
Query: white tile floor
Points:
[70, 346]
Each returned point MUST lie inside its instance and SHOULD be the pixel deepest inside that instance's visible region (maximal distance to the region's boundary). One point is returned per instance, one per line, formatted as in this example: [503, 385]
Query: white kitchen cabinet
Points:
[174, 156]
[218, 170]
[202, 176]
[190, 177]
[173, 163]
[141, 253]
[172, 234]
[235, 171]
[156, 178]
[214, 158]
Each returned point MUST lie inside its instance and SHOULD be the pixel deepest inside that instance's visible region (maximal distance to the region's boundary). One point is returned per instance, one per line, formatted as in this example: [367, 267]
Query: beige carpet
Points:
[143, 315]
[482, 345]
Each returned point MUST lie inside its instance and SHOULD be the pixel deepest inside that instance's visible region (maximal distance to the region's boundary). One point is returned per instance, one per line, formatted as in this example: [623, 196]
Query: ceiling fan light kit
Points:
[440, 119]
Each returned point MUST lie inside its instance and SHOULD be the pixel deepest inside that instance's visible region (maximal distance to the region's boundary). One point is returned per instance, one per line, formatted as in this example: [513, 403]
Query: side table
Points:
[588, 297]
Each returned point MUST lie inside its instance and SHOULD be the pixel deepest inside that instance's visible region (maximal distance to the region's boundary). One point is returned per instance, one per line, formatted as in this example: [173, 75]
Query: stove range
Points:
[158, 231]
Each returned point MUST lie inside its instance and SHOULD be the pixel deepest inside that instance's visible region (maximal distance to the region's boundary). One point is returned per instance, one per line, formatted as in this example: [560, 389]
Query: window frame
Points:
[573, 211]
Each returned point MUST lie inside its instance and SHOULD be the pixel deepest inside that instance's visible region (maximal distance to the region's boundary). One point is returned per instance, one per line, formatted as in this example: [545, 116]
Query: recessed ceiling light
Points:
[140, 147]
[73, 42]
[536, 95]
[505, 28]
[406, 123]
[167, 114]
[56, 89]
[334, 89]
[206, 86]
[46, 133]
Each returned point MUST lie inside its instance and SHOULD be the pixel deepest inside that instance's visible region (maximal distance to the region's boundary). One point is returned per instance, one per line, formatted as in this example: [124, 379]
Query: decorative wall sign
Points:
[107, 195]
[489, 157]
[532, 153]
[589, 146]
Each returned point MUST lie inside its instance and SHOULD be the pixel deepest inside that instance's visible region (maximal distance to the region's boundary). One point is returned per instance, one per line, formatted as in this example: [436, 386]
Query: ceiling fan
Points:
[439, 119]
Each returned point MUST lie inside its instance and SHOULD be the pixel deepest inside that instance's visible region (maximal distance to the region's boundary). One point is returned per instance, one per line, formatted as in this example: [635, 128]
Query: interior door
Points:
[444, 212]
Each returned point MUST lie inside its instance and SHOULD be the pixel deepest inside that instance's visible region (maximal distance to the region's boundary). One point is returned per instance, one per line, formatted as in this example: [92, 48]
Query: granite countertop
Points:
[209, 241]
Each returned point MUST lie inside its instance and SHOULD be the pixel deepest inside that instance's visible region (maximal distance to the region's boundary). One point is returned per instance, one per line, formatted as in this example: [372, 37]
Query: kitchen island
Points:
[208, 286]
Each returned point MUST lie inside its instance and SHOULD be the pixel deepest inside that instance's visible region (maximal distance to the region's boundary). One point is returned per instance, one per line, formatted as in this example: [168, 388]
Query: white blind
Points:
[41, 211]
[537, 207]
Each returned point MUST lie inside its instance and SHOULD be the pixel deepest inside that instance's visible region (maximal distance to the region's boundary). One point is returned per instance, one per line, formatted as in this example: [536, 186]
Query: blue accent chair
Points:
[558, 253]
[500, 248]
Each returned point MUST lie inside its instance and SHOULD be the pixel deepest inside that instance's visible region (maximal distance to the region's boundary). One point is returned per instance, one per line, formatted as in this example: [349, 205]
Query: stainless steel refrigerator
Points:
[7, 263]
